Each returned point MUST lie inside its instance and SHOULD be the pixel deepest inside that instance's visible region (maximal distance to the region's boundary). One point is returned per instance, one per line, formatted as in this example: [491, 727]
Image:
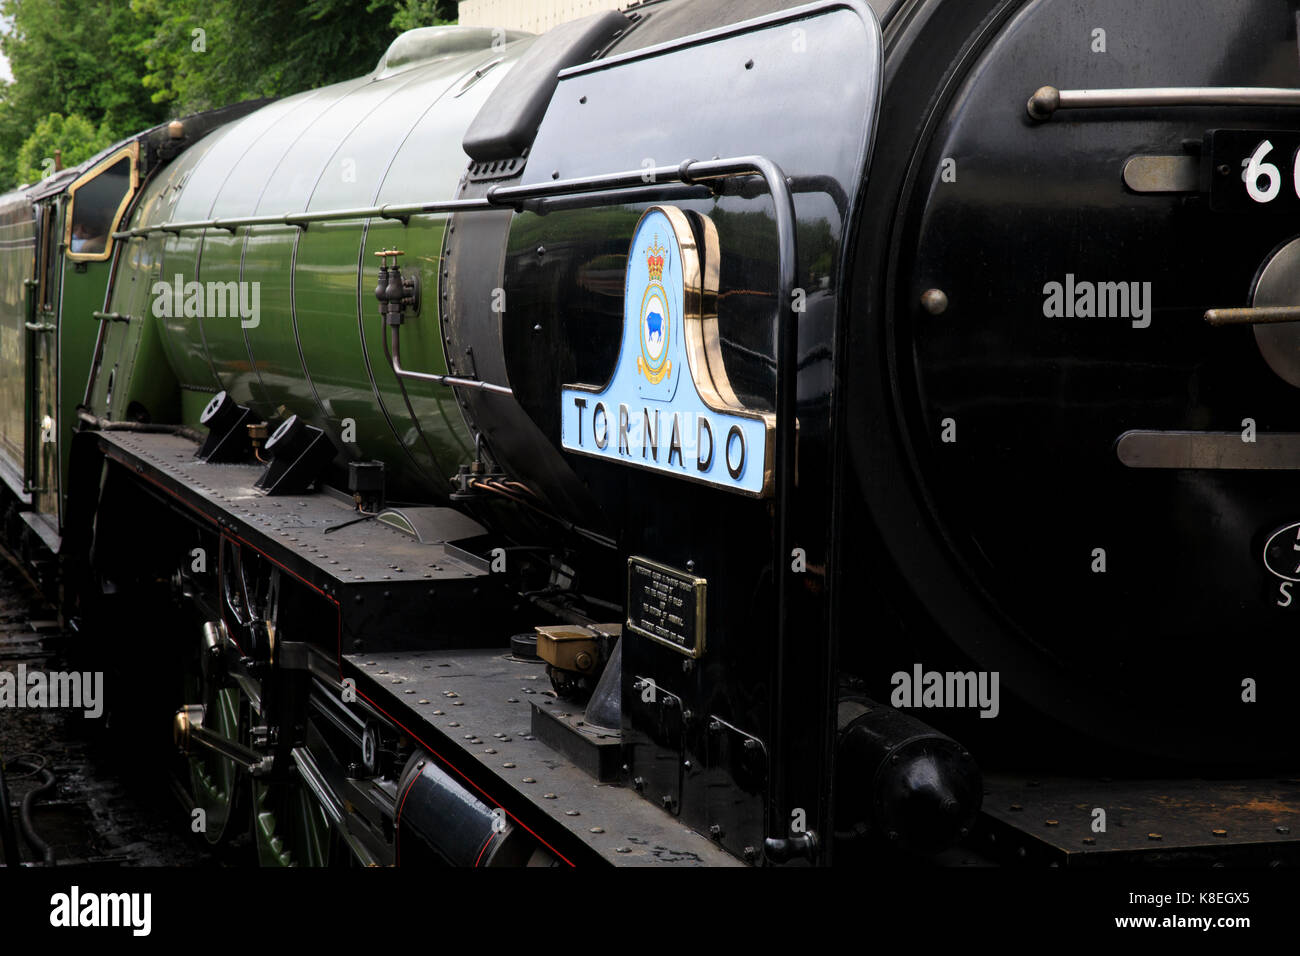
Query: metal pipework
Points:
[1047, 100]
[395, 295]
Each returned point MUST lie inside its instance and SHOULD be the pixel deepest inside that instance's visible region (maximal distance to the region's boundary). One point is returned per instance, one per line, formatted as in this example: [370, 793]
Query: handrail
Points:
[1048, 99]
[691, 172]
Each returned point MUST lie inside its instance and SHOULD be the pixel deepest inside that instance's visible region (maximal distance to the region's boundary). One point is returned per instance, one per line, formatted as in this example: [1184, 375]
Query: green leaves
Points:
[73, 137]
[71, 58]
[109, 69]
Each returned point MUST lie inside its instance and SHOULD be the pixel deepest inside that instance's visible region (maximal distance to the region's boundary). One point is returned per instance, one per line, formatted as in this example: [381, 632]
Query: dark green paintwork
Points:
[317, 349]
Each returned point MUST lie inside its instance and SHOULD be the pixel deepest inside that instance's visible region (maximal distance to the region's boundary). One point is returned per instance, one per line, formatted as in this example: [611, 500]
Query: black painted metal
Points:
[899, 782]
[226, 422]
[506, 123]
[563, 278]
[986, 545]
[386, 585]
[885, 547]
[457, 829]
[472, 707]
[1146, 822]
[299, 454]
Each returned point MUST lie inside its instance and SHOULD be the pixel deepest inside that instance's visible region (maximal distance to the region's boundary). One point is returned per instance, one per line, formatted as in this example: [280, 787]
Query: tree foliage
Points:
[71, 138]
[123, 67]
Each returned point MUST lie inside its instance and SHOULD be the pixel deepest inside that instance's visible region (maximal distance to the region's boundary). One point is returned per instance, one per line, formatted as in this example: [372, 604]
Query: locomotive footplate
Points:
[466, 704]
[1080, 822]
[386, 584]
[473, 708]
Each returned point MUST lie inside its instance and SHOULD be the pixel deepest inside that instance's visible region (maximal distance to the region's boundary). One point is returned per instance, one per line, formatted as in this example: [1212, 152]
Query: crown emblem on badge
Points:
[654, 260]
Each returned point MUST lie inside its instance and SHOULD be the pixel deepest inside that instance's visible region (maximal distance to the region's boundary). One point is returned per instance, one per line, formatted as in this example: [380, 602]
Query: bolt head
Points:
[934, 301]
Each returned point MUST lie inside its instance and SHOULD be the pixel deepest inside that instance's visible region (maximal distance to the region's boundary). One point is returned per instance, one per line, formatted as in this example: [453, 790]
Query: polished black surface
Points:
[564, 281]
[995, 533]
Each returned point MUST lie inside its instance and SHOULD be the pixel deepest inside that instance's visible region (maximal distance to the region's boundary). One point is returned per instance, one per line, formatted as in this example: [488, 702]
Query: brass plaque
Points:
[666, 605]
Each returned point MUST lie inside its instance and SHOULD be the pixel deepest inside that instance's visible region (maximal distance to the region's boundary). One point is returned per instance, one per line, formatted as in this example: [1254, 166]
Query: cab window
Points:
[98, 200]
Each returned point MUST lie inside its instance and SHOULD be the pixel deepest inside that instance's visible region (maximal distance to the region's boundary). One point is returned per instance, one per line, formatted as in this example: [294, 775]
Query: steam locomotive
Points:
[703, 434]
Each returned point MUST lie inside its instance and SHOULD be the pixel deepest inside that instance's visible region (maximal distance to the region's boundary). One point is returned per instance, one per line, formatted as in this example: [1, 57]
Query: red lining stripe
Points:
[339, 662]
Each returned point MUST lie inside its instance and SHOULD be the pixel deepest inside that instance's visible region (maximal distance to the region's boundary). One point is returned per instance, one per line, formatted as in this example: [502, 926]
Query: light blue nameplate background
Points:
[650, 414]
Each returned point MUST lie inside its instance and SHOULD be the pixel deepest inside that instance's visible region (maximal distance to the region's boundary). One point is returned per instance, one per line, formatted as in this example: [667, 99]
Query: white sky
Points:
[5, 23]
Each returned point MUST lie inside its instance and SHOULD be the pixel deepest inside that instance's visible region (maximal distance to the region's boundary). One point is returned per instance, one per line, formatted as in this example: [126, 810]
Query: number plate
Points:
[1254, 171]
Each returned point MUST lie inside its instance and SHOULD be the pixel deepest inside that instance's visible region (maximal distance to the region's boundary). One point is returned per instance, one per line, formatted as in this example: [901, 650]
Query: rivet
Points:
[508, 766]
[1052, 823]
[571, 813]
[1220, 833]
[1154, 836]
[530, 779]
[548, 796]
[597, 829]
[934, 301]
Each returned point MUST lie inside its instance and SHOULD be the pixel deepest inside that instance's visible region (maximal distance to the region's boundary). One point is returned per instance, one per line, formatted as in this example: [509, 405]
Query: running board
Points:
[41, 525]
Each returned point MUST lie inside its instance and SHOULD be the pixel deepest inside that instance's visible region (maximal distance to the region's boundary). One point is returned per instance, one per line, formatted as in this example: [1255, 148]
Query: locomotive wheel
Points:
[289, 827]
[213, 779]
